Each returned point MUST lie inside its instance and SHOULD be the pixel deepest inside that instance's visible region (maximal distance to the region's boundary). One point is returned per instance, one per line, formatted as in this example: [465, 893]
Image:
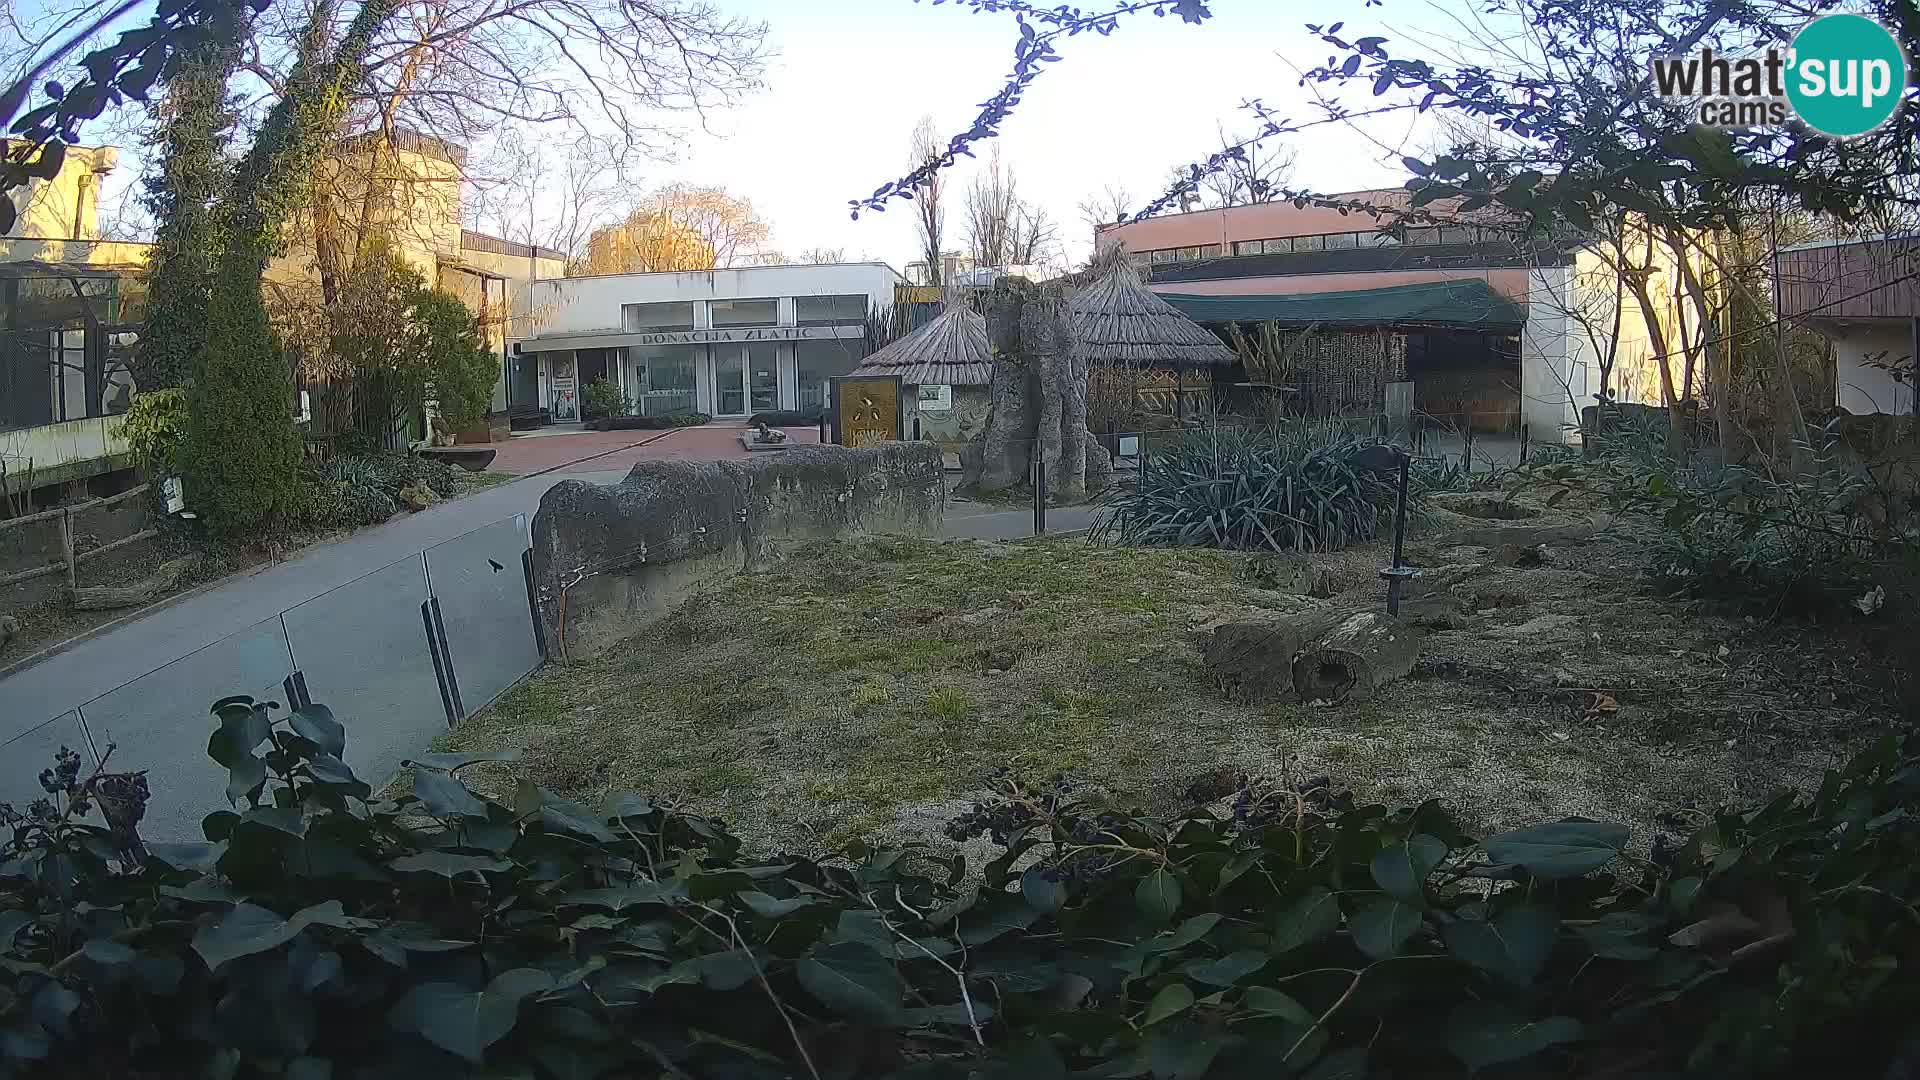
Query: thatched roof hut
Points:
[1119, 322]
[951, 350]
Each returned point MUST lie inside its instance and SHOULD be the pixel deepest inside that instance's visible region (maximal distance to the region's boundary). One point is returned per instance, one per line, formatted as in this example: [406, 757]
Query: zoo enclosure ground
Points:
[867, 688]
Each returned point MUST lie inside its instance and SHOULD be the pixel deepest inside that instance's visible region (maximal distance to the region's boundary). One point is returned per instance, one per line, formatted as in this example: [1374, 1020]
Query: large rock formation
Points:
[608, 557]
[1039, 397]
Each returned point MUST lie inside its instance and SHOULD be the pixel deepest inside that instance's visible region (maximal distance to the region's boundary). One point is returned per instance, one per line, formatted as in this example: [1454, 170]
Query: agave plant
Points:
[1294, 487]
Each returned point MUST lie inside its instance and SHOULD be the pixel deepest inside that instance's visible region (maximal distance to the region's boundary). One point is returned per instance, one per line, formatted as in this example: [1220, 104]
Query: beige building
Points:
[72, 302]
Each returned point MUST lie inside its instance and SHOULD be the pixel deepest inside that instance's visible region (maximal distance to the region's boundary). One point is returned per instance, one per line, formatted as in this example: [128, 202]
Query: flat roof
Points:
[729, 269]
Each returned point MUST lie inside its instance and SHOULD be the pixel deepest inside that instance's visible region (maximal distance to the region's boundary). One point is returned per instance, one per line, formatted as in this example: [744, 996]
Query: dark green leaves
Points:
[854, 980]
[249, 929]
[444, 796]
[1172, 1000]
[1307, 920]
[466, 1021]
[1402, 869]
[1562, 849]
[447, 864]
[1483, 1033]
[1513, 946]
[1158, 895]
[1383, 927]
[1229, 969]
[316, 724]
[1046, 894]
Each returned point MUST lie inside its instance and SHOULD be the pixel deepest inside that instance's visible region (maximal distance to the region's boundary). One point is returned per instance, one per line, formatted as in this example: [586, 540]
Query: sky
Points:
[849, 79]
[853, 77]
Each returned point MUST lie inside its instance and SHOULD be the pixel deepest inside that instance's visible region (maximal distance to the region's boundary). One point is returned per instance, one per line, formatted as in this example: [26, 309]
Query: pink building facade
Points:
[1283, 250]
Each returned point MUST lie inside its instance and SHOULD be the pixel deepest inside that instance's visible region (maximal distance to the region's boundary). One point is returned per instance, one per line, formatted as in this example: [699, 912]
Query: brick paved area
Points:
[602, 451]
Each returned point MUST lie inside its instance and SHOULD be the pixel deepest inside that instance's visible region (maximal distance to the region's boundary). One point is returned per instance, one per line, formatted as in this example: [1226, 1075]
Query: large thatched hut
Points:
[946, 367]
[1135, 345]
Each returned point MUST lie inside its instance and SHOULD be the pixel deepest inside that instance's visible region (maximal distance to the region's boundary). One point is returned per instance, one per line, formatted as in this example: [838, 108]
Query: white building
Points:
[721, 342]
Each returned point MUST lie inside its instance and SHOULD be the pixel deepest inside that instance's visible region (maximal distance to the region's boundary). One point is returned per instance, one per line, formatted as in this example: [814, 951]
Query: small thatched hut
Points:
[1136, 344]
[950, 352]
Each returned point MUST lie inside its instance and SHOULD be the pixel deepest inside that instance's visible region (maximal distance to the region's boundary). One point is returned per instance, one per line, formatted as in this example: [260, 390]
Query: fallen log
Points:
[107, 597]
[1349, 662]
[1253, 660]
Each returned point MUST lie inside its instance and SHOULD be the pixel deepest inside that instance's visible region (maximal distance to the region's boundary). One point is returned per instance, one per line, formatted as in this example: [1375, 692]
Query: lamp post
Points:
[1384, 458]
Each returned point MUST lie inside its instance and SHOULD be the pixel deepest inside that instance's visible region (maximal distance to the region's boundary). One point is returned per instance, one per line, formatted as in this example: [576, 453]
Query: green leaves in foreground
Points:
[319, 933]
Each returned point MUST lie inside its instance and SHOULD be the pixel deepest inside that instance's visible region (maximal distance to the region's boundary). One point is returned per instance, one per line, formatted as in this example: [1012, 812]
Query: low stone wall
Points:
[607, 558]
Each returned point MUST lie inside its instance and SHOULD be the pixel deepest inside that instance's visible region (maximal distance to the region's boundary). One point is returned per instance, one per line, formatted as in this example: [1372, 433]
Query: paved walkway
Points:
[30, 697]
[609, 450]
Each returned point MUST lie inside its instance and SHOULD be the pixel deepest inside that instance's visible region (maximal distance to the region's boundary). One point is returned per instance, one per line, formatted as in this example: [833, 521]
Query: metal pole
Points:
[1039, 489]
[1180, 395]
[916, 427]
[1523, 444]
[1468, 455]
[1399, 572]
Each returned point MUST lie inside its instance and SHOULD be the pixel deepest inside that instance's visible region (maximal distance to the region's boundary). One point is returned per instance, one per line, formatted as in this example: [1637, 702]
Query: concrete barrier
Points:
[607, 558]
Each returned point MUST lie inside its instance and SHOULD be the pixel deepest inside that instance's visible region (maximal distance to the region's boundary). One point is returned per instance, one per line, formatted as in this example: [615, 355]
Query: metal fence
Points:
[398, 654]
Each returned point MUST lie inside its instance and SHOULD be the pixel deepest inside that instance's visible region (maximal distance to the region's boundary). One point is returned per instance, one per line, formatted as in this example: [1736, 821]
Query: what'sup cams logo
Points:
[1842, 76]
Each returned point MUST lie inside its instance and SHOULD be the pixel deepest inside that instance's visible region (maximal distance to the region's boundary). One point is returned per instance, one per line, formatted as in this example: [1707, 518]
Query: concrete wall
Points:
[67, 206]
[613, 557]
[64, 451]
[1864, 388]
[84, 252]
[591, 304]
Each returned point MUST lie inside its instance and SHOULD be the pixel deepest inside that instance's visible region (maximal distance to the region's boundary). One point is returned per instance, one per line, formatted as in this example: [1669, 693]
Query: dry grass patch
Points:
[860, 688]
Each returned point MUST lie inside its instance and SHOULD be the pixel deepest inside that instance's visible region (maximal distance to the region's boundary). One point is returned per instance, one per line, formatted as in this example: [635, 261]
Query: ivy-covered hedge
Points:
[320, 932]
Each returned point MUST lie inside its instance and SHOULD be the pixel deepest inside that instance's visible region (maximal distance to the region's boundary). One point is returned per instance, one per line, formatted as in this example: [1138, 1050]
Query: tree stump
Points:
[1355, 658]
[1037, 397]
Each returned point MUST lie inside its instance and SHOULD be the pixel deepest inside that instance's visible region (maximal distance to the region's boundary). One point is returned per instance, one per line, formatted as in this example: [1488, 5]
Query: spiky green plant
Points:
[1294, 487]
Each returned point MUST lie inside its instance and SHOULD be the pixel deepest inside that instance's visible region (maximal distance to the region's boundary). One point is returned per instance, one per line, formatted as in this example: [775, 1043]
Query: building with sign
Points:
[722, 342]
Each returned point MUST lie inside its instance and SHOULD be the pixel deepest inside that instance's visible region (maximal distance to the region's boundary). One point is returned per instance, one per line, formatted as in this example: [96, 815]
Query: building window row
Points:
[1425, 236]
[830, 310]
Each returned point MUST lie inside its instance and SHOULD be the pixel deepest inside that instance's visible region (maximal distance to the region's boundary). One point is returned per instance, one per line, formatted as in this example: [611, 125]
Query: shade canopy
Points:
[952, 349]
[1119, 322]
[1465, 304]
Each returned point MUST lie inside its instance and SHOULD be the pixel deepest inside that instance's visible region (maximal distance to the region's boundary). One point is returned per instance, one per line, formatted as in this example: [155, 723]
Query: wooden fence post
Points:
[66, 547]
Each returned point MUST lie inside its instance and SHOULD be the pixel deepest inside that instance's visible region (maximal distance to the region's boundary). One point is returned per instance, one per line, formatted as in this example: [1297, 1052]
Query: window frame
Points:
[836, 320]
[713, 306]
[632, 326]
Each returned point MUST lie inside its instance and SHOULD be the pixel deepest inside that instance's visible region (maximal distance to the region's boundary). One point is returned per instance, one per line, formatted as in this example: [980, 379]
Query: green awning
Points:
[1465, 304]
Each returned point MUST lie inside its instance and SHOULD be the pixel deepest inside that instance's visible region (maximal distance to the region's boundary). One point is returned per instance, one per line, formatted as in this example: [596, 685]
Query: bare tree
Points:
[822, 256]
[929, 212]
[1002, 228]
[1255, 174]
[1108, 206]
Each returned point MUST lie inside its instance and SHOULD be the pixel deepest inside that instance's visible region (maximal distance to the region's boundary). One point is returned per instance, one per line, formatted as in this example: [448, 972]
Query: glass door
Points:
[729, 380]
[562, 388]
[763, 377]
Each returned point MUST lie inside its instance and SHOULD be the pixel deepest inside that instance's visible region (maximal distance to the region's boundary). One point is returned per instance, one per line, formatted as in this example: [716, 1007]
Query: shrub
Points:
[155, 427]
[649, 423]
[242, 454]
[319, 931]
[1740, 537]
[460, 369]
[602, 400]
[1296, 487]
[364, 489]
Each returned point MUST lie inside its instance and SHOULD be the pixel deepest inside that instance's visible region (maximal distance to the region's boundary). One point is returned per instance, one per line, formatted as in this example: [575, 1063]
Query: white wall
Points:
[589, 304]
[1862, 387]
[1555, 365]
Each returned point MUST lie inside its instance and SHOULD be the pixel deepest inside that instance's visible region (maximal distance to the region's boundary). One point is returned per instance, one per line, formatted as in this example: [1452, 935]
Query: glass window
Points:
[1210, 251]
[1457, 234]
[746, 378]
[744, 312]
[830, 310]
[1189, 254]
[1383, 239]
[1246, 247]
[1309, 243]
[1342, 241]
[660, 378]
[817, 362]
[1280, 246]
[1423, 236]
[1164, 255]
[647, 317]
